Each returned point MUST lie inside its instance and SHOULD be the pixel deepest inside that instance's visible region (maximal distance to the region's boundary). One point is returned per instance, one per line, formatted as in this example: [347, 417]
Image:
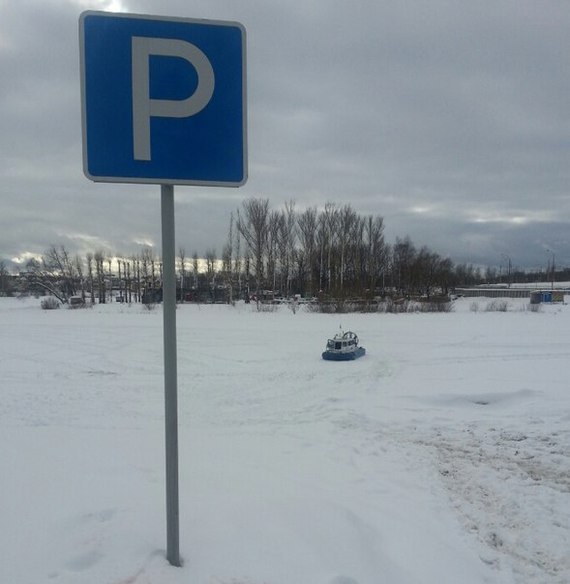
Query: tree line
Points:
[333, 252]
[99, 277]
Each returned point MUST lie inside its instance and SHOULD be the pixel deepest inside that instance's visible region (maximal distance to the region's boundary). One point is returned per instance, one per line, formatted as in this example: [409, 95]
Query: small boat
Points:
[343, 347]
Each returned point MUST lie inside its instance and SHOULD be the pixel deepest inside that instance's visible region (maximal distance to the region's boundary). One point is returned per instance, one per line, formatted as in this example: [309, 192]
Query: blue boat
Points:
[343, 347]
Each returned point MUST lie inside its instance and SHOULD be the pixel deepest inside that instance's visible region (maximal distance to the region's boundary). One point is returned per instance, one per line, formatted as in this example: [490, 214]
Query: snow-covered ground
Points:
[441, 457]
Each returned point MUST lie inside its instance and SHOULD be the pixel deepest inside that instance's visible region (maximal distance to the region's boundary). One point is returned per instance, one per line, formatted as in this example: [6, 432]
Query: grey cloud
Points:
[434, 115]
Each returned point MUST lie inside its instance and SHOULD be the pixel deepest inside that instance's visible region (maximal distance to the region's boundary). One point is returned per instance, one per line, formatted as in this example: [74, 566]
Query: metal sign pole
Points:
[170, 374]
[120, 147]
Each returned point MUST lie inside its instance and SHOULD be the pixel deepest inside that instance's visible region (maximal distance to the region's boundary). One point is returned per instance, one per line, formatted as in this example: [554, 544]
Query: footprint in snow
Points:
[84, 561]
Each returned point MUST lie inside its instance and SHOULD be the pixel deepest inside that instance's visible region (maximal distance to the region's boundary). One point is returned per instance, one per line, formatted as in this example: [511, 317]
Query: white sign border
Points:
[160, 180]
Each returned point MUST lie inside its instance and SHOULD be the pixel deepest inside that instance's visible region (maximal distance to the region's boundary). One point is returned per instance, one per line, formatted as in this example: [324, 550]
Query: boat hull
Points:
[347, 356]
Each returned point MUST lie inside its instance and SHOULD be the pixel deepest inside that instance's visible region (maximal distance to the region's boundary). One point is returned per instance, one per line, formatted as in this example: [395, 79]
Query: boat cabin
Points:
[341, 344]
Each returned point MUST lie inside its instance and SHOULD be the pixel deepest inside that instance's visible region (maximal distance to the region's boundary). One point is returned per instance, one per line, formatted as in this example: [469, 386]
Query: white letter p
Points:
[144, 107]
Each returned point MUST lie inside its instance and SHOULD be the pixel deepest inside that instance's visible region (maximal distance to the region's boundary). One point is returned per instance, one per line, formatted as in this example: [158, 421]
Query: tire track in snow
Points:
[500, 481]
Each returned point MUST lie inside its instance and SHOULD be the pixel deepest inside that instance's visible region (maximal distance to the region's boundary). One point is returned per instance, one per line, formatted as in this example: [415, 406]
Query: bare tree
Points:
[330, 222]
[182, 257]
[55, 273]
[146, 258]
[78, 264]
[4, 274]
[273, 235]
[57, 261]
[321, 241]
[211, 258]
[226, 272]
[40, 278]
[247, 277]
[128, 282]
[376, 255]
[90, 276]
[137, 277]
[307, 227]
[227, 264]
[445, 275]
[121, 276]
[253, 227]
[237, 267]
[195, 269]
[346, 220]
[355, 270]
[287, 237]
[403, 254]
[99, 258]
[110, 275]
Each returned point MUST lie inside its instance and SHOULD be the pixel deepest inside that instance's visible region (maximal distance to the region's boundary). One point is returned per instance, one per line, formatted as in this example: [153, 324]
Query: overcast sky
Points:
[448, 118]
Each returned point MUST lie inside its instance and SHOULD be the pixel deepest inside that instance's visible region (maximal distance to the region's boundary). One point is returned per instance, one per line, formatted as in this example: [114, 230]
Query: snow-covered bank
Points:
[440, 457]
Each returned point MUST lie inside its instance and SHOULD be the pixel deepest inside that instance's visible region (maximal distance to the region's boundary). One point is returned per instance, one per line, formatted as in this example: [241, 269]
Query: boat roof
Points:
[345, 336]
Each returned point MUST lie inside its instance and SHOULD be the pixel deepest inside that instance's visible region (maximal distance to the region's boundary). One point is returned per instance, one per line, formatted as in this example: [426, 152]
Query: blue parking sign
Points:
[163, 100]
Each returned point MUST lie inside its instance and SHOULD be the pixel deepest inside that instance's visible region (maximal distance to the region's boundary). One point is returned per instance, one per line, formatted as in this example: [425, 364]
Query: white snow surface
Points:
[441, 457]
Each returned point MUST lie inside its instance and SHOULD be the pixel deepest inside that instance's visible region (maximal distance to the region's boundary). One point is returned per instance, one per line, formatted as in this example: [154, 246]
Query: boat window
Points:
[330, 344]
[337, 345]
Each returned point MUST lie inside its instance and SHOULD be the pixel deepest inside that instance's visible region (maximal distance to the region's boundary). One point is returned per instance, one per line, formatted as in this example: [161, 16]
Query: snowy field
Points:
[441, 457]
